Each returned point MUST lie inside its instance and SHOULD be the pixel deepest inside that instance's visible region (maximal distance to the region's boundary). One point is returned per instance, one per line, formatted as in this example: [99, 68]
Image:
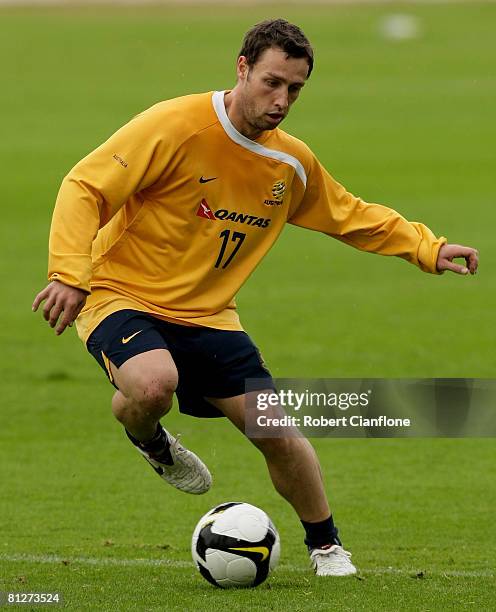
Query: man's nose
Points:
[282, 100]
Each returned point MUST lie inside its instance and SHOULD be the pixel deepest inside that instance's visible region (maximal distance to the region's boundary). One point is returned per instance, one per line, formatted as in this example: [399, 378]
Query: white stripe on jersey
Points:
[232, 132]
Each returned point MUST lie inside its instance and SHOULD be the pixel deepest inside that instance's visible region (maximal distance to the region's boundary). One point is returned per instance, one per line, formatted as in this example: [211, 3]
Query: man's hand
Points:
[449, 251]
[60, 298]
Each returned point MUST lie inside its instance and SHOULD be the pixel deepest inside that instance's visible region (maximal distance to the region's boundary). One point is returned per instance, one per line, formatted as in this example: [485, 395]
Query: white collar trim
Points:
[251, 145]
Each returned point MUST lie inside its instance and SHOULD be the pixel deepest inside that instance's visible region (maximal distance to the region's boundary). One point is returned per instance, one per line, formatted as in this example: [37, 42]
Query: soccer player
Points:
[155, 231]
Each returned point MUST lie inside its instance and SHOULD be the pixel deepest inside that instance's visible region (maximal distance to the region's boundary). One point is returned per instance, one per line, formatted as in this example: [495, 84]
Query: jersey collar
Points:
[251, 145]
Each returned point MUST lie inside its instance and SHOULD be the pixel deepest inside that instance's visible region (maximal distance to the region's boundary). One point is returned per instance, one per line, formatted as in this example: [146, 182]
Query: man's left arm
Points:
[327, 207]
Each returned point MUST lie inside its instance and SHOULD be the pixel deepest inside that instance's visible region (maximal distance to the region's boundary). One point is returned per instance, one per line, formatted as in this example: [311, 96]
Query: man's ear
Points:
[242, 68]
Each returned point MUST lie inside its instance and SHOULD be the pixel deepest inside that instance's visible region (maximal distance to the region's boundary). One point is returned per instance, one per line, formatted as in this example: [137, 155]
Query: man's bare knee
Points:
[147, 383]
[144, 403]
[151, 393]
[281, 449]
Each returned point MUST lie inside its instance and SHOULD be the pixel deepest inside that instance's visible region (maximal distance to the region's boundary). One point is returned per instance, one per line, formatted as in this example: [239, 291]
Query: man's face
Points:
[269, 87]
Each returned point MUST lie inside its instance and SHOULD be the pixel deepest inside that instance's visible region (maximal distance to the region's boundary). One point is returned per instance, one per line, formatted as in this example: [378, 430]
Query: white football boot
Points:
[187, 472]
[332, 561]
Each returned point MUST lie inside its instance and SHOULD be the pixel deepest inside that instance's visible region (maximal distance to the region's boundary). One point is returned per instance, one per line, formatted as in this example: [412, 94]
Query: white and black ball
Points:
[235, 545]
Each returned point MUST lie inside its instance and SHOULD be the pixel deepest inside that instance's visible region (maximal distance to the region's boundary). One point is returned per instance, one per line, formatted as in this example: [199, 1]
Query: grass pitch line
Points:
[98, 561]
[177, 563]
[245, 3]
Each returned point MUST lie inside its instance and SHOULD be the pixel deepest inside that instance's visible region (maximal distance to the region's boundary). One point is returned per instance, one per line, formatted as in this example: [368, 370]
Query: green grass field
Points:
[410, 124]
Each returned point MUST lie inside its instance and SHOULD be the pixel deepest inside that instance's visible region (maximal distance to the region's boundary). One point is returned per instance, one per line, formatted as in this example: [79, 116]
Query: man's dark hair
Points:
[276, 33]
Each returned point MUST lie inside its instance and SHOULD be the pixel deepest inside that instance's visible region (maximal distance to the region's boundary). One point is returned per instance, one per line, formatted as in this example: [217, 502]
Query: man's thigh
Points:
[133, 353]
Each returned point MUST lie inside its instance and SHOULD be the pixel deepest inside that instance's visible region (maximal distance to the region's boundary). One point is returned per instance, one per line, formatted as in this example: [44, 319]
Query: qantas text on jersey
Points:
[223, 214]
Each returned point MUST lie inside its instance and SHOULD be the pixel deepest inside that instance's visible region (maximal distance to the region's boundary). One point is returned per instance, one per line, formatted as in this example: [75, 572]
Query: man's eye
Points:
[272, 83]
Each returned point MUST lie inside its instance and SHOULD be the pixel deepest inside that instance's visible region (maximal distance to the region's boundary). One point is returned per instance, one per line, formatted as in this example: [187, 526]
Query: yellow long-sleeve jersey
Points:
[173, 213]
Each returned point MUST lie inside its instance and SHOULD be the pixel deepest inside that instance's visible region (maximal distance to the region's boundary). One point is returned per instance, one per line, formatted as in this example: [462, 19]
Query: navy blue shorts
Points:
[210, 362]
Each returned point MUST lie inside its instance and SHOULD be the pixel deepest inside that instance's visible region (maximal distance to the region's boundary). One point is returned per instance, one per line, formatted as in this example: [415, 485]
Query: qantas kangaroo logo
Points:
[204, 211]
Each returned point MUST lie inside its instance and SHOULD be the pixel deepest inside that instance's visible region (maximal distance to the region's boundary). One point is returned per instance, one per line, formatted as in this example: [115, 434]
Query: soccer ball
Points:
[235, 545]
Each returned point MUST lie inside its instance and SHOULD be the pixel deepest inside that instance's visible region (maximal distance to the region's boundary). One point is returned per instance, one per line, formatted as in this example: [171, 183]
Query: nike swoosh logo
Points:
[262, 550]
[204, 180]
[126, 340]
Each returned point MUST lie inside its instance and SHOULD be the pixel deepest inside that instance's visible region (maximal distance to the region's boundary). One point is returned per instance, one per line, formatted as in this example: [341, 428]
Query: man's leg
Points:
[295, 472]
[292, 463]
[146, 383]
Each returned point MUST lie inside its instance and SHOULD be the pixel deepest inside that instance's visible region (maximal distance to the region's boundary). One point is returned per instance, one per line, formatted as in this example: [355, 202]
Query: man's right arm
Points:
[90, 195]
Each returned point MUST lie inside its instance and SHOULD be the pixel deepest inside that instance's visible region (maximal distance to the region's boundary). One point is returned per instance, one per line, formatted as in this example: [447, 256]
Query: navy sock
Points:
[321, 534]
[157, 447]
